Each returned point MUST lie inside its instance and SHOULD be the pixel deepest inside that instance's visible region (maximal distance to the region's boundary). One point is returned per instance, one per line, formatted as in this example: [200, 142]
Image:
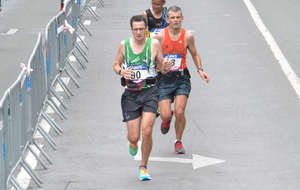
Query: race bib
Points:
[175, 59]
[140, 72]
[155, 31]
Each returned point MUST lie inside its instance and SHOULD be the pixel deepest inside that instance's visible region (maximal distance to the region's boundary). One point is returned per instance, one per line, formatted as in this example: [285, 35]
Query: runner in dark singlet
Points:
[156, 17]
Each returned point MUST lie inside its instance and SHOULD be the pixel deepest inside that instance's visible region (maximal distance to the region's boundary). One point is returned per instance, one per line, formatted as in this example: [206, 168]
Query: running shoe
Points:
[143, 174]
[133, 149]
[165, 126]
[178, 148]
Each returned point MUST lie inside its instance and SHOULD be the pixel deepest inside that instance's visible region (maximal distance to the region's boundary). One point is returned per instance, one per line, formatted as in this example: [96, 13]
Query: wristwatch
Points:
[119, 73]
[199, 69]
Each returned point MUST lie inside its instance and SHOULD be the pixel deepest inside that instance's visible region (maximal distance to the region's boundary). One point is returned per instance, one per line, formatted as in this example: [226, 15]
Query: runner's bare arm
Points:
[163, 65]
[145, 15]
[119, 58]
[190, 41]
[117, 66]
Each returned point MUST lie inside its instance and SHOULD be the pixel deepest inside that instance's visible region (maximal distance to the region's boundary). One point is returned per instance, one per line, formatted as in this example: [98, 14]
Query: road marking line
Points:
[87, 22]
[46, 127]
[66, 80]
[197, 161]
[12, 31]
[23, 177]
[49, 109]
[284, 64]
[82, 37]
[72, 58]
[190, 31]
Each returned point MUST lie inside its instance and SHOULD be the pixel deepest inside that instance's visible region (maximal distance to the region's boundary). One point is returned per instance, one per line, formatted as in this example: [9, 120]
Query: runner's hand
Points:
[127, 73]
[167, 65]
[204, 76]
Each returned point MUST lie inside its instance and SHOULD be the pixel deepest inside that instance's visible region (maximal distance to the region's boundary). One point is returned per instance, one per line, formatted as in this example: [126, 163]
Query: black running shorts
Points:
[173, 86]
[134, 103]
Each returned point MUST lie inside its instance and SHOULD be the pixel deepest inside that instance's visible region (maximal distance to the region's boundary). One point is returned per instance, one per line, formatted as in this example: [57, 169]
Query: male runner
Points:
[175, 86]
[156, 17]
[136, 62]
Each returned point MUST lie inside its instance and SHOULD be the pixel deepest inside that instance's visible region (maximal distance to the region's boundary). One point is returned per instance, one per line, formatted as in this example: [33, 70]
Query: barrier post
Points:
[2, 150]
[24, 103]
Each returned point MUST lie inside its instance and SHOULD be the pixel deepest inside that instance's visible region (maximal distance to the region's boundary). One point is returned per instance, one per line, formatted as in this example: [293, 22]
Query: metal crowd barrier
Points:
[24, 104]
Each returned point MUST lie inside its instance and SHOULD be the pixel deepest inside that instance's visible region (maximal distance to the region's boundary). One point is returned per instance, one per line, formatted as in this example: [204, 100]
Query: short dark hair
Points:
[138, 18]
[173, 9]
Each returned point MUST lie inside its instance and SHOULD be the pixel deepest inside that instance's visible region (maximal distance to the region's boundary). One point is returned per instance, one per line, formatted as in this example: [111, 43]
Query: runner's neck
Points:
[137, 46]
[174, 33]
[156, 15]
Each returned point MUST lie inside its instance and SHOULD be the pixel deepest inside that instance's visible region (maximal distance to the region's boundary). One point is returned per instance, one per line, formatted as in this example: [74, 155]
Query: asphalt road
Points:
[28, 18]
[244, 123]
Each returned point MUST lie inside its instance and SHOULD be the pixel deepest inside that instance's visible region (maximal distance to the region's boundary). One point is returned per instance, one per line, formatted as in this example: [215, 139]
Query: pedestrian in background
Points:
[175, 86]
[136, 61]
[0, 6]
[62, 5]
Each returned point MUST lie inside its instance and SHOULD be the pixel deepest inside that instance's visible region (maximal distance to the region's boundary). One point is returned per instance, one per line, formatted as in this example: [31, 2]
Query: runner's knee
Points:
[133, 138]
[179, 114]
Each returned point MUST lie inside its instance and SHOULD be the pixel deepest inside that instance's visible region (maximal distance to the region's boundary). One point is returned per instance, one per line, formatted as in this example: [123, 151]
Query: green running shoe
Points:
[133, 149]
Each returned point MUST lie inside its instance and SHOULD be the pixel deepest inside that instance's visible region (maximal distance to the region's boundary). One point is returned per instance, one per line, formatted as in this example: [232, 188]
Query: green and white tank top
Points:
[142, 63]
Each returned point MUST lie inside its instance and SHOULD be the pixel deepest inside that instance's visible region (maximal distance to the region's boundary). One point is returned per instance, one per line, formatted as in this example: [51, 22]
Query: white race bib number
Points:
[175, 59]
[140, 72]
[155, 31]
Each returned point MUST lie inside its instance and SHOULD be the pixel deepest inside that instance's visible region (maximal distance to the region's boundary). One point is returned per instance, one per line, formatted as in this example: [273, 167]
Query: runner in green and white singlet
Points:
[135, 61]
[141, 64]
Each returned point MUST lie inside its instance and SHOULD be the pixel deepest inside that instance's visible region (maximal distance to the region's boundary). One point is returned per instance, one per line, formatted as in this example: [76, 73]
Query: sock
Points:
[133, 145]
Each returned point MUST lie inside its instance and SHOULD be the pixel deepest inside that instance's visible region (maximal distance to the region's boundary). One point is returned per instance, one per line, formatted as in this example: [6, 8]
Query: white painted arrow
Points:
[197, 160]
[190, 31]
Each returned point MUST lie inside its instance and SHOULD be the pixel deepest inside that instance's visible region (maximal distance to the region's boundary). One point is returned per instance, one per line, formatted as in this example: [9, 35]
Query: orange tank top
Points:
[175, 48]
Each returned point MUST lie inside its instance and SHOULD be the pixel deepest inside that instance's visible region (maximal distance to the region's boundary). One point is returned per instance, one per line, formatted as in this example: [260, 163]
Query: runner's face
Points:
[139, 30]
[174, 19]
[157, 5]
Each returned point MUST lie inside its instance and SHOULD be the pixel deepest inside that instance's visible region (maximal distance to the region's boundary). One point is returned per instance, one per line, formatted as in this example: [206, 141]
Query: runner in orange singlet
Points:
[177, 47]
[175, 86]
